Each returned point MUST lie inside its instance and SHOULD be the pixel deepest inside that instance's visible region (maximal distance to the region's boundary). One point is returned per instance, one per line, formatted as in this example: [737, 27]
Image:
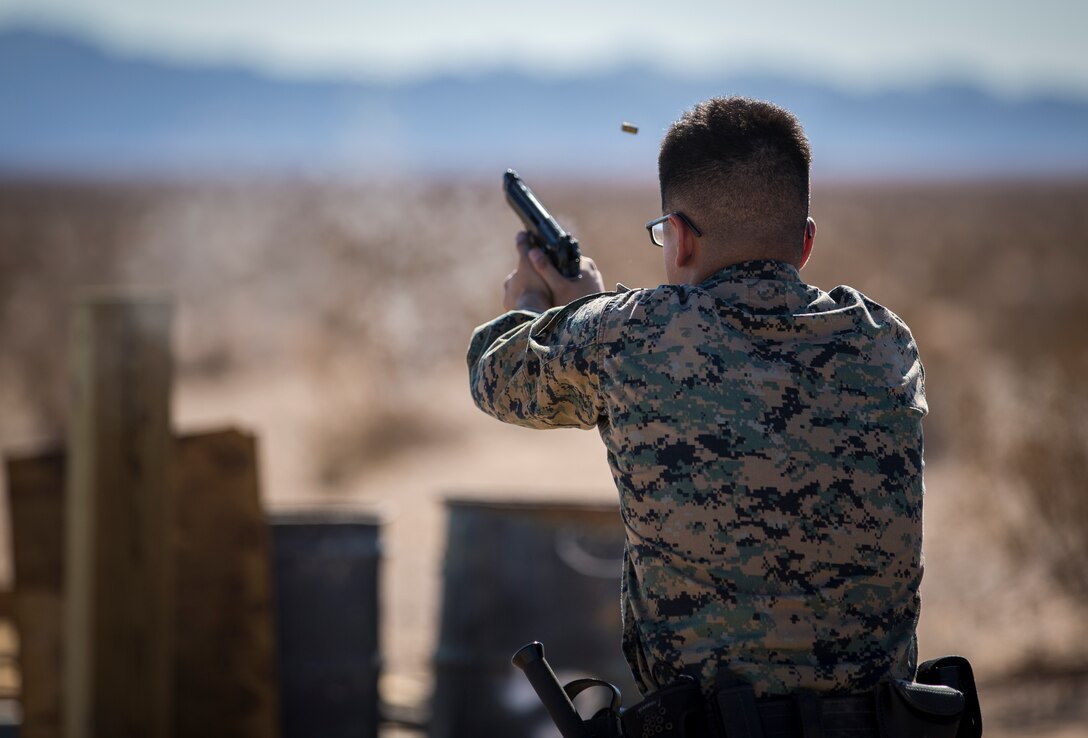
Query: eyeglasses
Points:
[656, 227]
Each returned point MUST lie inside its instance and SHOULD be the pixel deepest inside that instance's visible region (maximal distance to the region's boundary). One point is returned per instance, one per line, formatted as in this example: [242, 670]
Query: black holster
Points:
[942, 703]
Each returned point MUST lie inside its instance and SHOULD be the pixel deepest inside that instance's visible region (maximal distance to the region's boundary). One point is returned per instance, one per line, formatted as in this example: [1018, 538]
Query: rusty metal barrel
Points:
[326, 566]
[516, 572]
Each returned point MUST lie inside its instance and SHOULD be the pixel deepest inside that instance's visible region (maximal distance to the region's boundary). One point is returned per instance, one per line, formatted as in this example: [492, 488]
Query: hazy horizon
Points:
[1008, 49]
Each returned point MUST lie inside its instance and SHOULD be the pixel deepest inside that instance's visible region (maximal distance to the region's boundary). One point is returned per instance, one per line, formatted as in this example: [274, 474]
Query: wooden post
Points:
[36, 506]
[118, 578]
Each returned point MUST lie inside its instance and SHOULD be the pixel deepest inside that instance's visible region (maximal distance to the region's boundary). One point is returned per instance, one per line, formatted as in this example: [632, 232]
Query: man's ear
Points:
[686, 243]
[810, 236]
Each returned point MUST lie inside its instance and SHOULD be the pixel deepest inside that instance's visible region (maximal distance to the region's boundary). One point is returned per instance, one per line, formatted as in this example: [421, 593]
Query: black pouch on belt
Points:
[909, 710]
[956, 672]
[677, 711]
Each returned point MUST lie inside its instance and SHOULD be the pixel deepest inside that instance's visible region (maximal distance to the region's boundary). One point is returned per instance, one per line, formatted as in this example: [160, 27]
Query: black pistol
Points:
[544, 232]
[557, 700]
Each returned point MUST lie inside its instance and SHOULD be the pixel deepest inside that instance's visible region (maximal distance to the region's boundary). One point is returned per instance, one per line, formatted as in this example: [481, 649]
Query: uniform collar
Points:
[761, 286]
[757, 269]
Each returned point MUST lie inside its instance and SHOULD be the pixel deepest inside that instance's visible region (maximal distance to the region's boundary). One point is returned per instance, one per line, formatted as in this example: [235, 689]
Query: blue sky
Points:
[1013, 48]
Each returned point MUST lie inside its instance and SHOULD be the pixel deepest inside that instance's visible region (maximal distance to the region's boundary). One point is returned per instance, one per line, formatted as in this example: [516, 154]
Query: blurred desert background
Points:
[316, 187]
[331, 320]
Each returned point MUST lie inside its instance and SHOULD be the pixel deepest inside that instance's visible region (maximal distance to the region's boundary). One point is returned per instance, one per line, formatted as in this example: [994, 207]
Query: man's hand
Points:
[537, 285]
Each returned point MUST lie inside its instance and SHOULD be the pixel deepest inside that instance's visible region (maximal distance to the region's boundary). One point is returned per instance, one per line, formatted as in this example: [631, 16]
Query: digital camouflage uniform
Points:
[766, 441]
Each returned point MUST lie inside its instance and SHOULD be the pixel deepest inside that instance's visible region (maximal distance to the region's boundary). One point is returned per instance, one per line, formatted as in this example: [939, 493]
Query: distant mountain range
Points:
[68, 106]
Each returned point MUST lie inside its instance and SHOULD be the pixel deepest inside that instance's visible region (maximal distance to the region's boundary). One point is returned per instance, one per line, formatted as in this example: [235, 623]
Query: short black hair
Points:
[742, 167]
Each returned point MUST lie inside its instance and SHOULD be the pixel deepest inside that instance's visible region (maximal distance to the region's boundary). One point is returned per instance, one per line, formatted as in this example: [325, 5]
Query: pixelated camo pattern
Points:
[765, 438]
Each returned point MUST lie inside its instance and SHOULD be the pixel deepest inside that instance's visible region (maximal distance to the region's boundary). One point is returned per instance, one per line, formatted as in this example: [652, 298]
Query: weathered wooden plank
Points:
[36, 507]
[225, 638]
[118, 564]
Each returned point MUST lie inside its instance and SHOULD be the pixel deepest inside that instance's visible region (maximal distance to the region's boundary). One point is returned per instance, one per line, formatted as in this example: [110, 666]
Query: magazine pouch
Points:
[910, 710]
[955, 672]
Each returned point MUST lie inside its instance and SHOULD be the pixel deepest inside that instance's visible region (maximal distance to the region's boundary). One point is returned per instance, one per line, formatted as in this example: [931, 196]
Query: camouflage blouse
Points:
[766, 440]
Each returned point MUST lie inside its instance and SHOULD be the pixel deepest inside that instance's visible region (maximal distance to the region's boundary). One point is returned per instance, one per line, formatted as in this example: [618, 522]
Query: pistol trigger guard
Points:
[576, 687]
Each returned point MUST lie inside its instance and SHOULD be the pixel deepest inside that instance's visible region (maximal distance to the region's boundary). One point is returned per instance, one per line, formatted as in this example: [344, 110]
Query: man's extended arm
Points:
[539, 371]
[536, 365]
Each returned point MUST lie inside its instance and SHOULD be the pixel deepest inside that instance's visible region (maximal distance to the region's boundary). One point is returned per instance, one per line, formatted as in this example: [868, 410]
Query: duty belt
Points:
[809, 716]
[942, 703]
[734, 712]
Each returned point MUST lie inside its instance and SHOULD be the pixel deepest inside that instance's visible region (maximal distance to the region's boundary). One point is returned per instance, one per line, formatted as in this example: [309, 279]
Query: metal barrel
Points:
[516, 572]
[326, 567]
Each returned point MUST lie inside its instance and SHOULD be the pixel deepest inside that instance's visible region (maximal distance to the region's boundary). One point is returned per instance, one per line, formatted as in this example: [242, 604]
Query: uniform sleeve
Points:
[539, 371]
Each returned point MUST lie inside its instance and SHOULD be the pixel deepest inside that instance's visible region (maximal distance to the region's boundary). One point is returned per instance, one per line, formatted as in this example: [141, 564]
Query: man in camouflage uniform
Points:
[765, 436]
